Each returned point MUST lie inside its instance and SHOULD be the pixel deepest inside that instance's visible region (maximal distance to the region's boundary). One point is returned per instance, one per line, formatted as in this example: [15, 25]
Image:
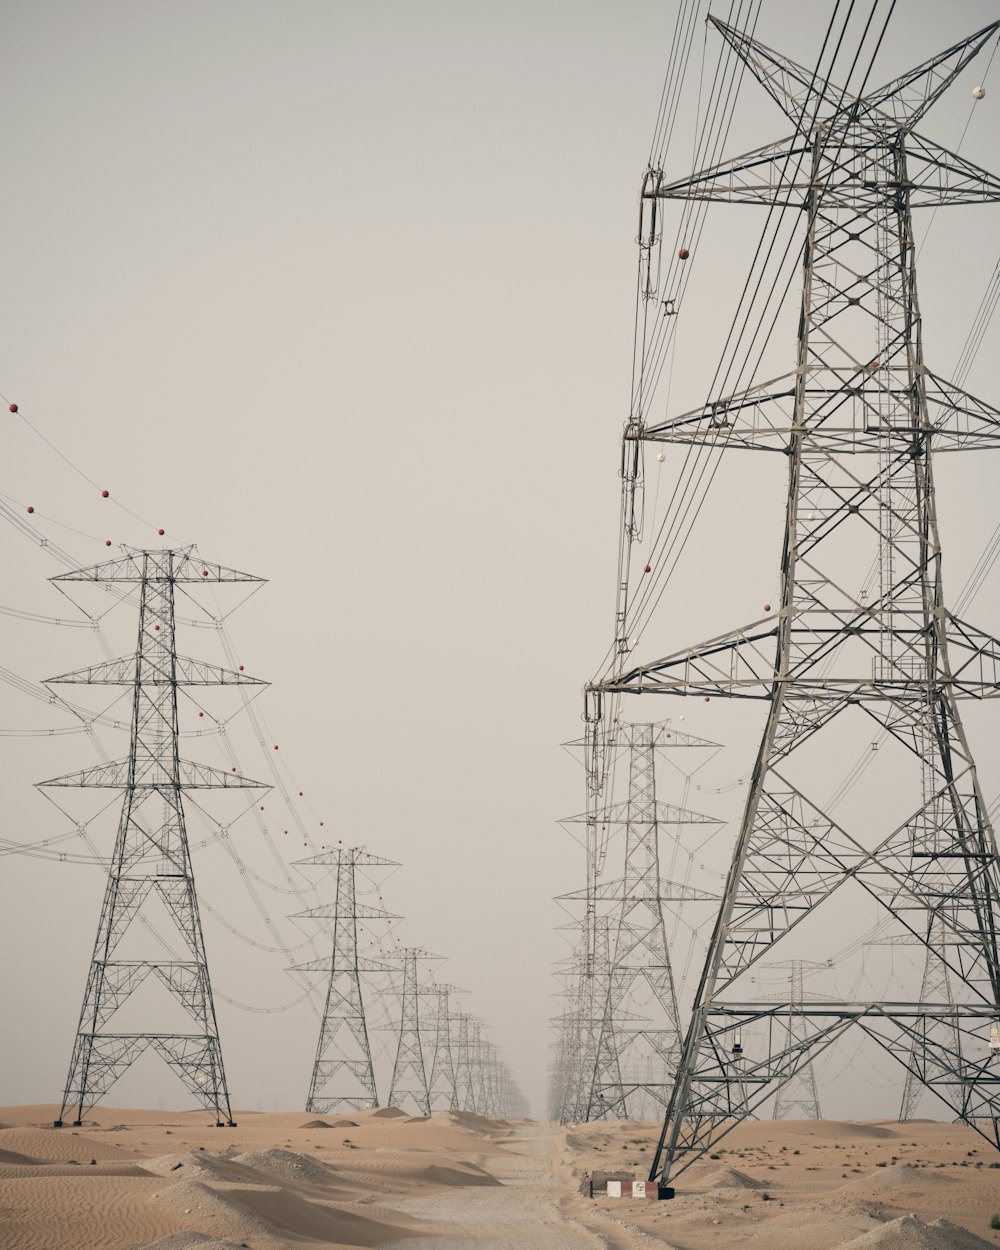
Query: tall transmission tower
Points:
[799, 1094]
[409, 1074]
[343, 1075]
[151, 869]
[858, 418]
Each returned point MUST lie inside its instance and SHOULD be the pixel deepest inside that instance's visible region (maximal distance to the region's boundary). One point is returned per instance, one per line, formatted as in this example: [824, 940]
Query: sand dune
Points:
[173, 1181]
[439, 1174]
[911, 1233]
[729, 1178]
[39, 1144]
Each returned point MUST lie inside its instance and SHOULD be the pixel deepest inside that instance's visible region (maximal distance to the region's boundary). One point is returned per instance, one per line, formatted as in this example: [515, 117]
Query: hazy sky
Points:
[343, 293]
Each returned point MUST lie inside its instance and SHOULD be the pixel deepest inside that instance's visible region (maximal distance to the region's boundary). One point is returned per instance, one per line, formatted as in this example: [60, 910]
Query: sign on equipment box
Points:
[626, 1189]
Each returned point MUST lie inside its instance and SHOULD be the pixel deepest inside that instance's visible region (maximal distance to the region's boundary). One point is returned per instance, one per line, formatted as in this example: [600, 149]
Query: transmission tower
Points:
[409, 1075]
[799, 1094]
[151, 869]
[343, 1075]
[441, 1083]
[588, 1035]
[858, 419]
[638, 978]
[935, 987]
[464, 1068]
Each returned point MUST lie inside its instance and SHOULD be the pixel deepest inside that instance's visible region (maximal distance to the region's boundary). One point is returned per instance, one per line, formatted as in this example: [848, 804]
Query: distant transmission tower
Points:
[935, 987]
[463, 1063]
[797, 1098]
[640, 972]
[635, 1043]
[858, 419]
[343, 1075]
[151, 863]
[442, 1083]
[409, 1075]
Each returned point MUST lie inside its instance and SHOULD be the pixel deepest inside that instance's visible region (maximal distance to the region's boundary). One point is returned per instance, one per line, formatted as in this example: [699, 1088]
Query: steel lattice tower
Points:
[463, 1064]
[151, 862]
[442, 1085]
[858, 419]
[631, 972]
[799, 1094]
[343, 1075]
[409, 1075]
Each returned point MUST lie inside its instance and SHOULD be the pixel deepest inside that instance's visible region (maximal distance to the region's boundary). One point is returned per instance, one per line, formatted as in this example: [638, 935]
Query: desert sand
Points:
[130, 1179]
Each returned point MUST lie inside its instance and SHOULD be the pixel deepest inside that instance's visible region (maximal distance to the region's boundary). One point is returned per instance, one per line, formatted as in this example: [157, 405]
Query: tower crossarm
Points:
[901, 101]
[663, 892]
[364, 964]
[742, 664]
[359, 911]
[361, 859]
[844, 417]
[781, 175]
[182, 672]
[185, 566]
[662, 813]
[151, 773]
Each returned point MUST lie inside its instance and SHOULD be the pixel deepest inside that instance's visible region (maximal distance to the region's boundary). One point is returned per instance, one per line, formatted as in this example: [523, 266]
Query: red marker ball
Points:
[30, 508]
[767, 607]
[233, 770]
[647, 568]
[241, 668]
[204, 572]
[201, 713]
[107, 543]
[276, 746]
[13, 407]
[161, 532]
[683, 253]
[300, 794]
[157, 628]
[104, 494]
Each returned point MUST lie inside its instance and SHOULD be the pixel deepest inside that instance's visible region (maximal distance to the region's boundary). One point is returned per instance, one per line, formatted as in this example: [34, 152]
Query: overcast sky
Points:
[343, 293]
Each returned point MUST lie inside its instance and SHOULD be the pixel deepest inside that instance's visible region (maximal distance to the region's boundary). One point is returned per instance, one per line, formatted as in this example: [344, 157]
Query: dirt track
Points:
[536, 1206]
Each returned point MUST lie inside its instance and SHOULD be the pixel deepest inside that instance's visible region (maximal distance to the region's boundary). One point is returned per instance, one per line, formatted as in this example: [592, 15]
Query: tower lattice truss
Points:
[151, 879]
[343, 1076]
[622, 1046]
[859, 418]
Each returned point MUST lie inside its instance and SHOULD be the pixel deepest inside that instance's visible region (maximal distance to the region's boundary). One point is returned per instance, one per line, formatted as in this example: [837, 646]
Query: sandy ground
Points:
[135, 1180]
[792, 1185]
